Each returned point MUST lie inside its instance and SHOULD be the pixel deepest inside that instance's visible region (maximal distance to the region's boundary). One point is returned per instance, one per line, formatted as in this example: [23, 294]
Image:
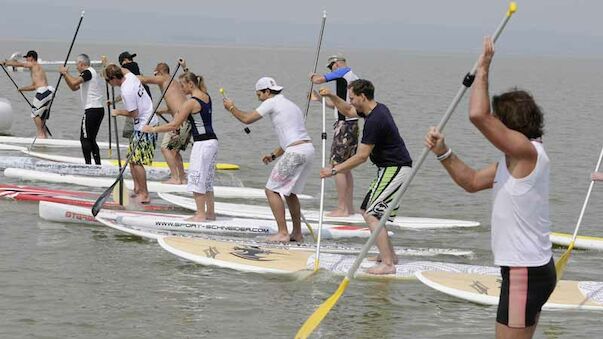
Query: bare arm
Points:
[173, 125]
[153, 80]
[125, 113]
[73, 82]
[244, 117]
[342, 106]
[15, 63]
[361, 156]
[317, 79]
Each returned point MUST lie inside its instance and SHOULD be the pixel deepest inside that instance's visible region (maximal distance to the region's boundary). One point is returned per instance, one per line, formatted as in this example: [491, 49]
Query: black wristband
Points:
[272, 156]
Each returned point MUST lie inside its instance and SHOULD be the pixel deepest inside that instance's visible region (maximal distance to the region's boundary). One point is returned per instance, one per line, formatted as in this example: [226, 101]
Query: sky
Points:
[540, 27]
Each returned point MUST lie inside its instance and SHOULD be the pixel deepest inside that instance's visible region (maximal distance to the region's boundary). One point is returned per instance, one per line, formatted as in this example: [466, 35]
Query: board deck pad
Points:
[485, 289]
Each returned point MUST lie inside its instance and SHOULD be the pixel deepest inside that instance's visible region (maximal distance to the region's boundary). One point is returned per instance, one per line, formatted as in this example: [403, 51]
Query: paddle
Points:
[322, 29]
[17, 86]
[246, 129]
[321, 312]
[98, 204]
[46, 114]
[564, 259]
[323, 136]
[104, 62]
[122, 195]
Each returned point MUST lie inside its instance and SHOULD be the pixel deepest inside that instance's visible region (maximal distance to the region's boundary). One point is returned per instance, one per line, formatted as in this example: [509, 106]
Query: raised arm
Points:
[510, 142]
[342, 106]
[73, 82]
[150, 80]
[244, 117]
[15, 63]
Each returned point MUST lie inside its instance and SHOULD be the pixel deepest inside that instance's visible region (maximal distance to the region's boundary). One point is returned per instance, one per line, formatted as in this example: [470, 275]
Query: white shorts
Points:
[292, 169]
[202, 168]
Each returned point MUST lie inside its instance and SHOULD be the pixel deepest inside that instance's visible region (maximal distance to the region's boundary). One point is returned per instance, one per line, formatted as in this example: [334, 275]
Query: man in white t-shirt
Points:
[90, 85]
[139, 106]
[289, 174]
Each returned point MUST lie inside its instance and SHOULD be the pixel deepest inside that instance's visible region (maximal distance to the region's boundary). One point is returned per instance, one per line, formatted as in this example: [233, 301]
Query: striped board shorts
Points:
[382, 190]
[41, 102]
[145, 148]
[523, 292]
[202, 168]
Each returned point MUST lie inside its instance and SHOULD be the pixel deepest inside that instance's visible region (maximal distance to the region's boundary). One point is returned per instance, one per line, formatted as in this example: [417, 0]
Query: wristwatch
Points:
[272, 156]
[333, 170]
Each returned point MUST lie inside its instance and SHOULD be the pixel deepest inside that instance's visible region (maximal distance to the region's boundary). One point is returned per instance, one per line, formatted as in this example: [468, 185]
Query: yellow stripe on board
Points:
[219, 166]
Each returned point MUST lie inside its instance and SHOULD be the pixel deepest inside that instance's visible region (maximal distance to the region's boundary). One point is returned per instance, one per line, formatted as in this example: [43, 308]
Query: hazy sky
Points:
[546, 27]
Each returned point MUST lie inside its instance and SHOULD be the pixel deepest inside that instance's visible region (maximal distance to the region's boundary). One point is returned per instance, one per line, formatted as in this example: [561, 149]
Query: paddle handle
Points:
[316, 56]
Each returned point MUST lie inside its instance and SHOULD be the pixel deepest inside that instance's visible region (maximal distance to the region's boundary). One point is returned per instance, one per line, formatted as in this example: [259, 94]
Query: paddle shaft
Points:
[98, 205]
[468, 80]
[121, 181]
[323, 136]
[17, 86]
[319, 44]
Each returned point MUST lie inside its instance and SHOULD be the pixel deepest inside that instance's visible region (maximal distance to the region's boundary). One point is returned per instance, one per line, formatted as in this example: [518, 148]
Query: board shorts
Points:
[178, 139]
[523, 291]
[292, 169]
[145, 148]
[202, 167]
[41, 102]
[382, 190]
[345, 141]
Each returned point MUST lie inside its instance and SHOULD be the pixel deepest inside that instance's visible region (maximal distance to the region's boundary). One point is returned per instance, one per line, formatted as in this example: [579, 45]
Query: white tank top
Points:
[91, 91]
[520, 215]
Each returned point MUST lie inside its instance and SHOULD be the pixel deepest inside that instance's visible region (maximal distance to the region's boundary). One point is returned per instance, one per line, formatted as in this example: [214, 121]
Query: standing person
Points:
[138, 106]
[40, 85]
[90, 85]
[520, 209]
[382, 143]
[289, 174]
[345, 136]
[197, 112]
[126, 60]
[175, 140]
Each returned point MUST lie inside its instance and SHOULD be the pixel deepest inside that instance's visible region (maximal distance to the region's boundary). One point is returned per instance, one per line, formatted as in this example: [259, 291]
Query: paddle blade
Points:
[321, 312]
[98, 204]
[124, 195]
[563, 260]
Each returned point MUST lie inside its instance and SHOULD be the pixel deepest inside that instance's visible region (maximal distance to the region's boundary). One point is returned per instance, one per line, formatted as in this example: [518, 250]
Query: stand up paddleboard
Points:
[485, 289]
[264, 212]
[282, 261]
[582, 241]
[53, 142]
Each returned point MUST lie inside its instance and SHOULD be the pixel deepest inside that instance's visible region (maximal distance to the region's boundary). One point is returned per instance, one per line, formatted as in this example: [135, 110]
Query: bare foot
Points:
[338, 213]
[298, 237]
[196, 218]
[183, 181]
[142, 199]
[377, 258]
[172, 181]
[382, 269]
[279, 237]
[210, 217]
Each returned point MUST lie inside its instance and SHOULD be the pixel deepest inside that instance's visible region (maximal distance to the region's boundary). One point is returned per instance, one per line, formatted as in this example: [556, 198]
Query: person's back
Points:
[287, 119]
[136, 98]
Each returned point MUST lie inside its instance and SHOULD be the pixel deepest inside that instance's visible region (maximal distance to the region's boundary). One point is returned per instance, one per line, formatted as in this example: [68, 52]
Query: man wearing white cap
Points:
[289, 174]
[345, 136]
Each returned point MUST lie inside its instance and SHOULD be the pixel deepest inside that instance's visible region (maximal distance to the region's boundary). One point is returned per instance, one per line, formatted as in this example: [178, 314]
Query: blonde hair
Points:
[197, 80]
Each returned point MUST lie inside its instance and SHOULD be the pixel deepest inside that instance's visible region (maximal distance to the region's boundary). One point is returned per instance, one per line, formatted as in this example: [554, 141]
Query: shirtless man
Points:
[173, 141]
[40, 85]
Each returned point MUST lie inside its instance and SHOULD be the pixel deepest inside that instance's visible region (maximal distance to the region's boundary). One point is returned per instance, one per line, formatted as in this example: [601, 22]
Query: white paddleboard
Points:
[282, 261]
[582, 241]
[264, 212]
[485, 289]
[153, 186]
[53, 142]
[326, 247]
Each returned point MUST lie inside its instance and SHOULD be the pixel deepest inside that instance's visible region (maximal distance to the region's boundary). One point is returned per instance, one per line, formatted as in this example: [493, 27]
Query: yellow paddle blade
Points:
[125, 195]
[563, 260]
[110, 153]
[303, 218]
[321, 312]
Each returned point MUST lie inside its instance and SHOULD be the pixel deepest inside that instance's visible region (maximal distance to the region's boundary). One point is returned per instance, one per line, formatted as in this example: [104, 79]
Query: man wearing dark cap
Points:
[126, 60]
[345, 137]
[40, 85]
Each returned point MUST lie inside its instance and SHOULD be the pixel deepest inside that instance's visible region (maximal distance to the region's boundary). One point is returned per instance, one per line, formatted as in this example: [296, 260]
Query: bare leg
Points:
[506, 332]
[350, 192]
[278, 210]
[341, 185]
[139, 175]
[172, 164]
[295, 211]
[200, 201]
[386, 251]
[210, 213]
[40, 131]
[180, 165]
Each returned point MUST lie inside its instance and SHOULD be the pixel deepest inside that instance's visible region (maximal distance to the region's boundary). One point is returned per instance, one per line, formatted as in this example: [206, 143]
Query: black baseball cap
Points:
[32, 54]
[125, 55]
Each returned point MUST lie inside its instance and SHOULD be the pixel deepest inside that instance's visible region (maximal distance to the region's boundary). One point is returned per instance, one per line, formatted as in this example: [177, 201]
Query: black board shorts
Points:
[523, 292]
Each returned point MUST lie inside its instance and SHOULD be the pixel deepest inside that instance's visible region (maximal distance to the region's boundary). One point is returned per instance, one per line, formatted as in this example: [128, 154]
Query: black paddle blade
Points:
[98, 204]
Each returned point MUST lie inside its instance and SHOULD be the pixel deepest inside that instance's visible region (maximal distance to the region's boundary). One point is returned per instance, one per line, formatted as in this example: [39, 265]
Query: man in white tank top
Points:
[289, 174]
[520, 211]
[90, 86]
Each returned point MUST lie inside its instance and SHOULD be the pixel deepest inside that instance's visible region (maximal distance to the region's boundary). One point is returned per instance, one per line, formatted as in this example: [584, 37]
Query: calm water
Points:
[80, 281]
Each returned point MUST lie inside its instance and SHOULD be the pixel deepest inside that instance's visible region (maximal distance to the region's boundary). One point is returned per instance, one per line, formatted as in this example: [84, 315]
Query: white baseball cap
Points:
[267, 83]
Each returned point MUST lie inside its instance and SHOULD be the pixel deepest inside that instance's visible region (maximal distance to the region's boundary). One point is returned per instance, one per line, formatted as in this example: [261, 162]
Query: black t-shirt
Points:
[133, 67]
[86, 75]
[380, 130]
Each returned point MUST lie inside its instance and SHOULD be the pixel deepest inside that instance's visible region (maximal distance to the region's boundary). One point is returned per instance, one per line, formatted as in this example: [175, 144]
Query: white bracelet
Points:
[445, 156]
